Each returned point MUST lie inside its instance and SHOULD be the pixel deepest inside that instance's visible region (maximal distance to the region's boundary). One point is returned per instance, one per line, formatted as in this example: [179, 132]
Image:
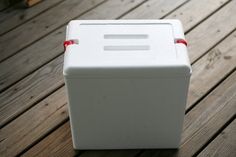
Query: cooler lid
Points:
[99, 45]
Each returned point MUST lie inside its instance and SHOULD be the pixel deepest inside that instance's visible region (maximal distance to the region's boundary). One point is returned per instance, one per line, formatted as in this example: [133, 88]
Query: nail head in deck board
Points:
[32, 31]
[16, 15]
[223, 144]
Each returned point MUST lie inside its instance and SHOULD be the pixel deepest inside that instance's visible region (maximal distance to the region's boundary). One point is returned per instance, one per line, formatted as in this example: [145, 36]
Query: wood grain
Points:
[28, 91]
[33, 124]
[217, 108]
[203, 112]
[16, 15]
[212, 31]
[211, 68]
[43, 81]
[32, 57]
[204, 121]
[153, 9]
[224, 144]
[49, 47]
[42, 25]
[199, 39]
[201, 123]
[64, 149]
[23, 137]
[195, 11]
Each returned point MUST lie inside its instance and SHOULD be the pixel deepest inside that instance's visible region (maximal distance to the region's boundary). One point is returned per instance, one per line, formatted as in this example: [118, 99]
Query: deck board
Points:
[224, 144]
[217, 108]
[17, 15]
[46, 115]
[33, 105]
[154, 9]
[29, 59]
[37, 55]
[206, 119]
[193, 124]
[42, 25]
[209, 70]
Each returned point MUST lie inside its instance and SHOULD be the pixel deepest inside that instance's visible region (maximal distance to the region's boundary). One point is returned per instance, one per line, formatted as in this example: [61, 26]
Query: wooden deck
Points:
[33, 106]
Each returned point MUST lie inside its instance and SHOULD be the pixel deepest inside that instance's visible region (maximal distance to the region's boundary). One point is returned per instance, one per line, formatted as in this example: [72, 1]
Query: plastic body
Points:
[127, 83]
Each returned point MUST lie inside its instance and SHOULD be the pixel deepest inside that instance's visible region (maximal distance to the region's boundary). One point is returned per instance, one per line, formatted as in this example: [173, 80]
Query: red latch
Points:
[69, 42]
[181, 41]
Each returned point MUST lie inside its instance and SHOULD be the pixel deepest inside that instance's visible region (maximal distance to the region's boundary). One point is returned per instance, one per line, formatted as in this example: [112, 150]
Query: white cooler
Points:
[127, 83]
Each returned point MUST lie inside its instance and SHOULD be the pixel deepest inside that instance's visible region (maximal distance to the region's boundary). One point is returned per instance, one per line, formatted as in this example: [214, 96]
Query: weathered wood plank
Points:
[202, 113]
[218, 107]
[34, 55]
[226, 57]
[198, 39]
[30, 59]
[23, 94]
[224, 144]
[44, 115]
[30, 90]
[224, 112]
[191, 16]
[112, 9]
[29, 127]
[42, 25]
[204, 121]
[51, 46]
[212, 31]
[16, 15]
[215, 103]
[188, 13]
[64, 149]
[210, 69]
[153, 9]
